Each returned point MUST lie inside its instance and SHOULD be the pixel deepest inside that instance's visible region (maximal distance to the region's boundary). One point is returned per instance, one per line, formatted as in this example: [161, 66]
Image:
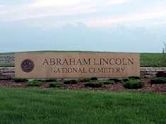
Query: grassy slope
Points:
[153, 59]
[36, 106]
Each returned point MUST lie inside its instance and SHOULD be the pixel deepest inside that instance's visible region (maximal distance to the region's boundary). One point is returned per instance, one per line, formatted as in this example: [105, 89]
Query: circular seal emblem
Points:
[27, 65]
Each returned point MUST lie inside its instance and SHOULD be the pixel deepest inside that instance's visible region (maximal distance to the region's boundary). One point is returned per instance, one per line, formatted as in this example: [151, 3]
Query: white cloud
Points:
[1, 6]
[55, 3]
[34, 13]
[158, 13]
[79, 11]
[113, 2]
[47, 8]
[2, 9]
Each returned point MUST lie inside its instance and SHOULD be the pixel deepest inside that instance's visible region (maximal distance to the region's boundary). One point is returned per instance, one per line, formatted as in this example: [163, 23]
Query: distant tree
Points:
[163, 59]
[164, 49]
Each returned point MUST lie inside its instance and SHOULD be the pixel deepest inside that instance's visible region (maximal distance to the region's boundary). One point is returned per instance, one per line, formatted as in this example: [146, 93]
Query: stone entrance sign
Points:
[76, 65]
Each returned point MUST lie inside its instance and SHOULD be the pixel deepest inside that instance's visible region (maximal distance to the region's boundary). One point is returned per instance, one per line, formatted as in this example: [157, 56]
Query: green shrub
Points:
[84, 79]
[100, 82]
[125, 80]
[158, 80]
[34, 83]
[70, 82]
[51, 80]
[40, 80]
[106, 82]
[134, 77]
[55, 84]
[116, 80]
[93, 84]
[93, 78]
[18, 80]
[133, 84]
[47, 80]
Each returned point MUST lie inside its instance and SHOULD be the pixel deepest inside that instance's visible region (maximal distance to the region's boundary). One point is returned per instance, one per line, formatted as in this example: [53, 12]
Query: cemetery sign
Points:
[76, 65]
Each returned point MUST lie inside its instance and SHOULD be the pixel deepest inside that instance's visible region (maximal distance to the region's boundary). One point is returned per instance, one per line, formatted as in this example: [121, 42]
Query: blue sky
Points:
[92, 25]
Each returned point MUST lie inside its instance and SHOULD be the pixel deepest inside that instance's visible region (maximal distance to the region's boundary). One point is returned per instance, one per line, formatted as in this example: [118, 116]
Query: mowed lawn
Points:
[153, 59]
[55, 106]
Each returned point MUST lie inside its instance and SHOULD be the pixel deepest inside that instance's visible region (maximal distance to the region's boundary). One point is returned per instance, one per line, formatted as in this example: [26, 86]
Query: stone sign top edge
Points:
[37, 52]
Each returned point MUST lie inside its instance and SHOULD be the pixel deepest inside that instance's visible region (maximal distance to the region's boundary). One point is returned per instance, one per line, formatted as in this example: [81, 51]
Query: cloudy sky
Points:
[92, 25]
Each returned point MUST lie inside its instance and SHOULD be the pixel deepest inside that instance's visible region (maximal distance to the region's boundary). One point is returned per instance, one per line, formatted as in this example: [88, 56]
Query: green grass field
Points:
[153, 60]
[55, 106]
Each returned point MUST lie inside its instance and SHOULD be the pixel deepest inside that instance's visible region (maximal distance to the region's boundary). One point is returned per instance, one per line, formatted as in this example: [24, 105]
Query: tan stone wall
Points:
[77, 64]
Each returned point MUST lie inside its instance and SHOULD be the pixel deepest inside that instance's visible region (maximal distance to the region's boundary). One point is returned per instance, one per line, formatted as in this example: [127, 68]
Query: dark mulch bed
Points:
[109, 87]
[11, 83]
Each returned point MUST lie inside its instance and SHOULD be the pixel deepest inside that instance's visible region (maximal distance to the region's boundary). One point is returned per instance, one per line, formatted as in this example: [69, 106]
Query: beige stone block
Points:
[76, 64]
